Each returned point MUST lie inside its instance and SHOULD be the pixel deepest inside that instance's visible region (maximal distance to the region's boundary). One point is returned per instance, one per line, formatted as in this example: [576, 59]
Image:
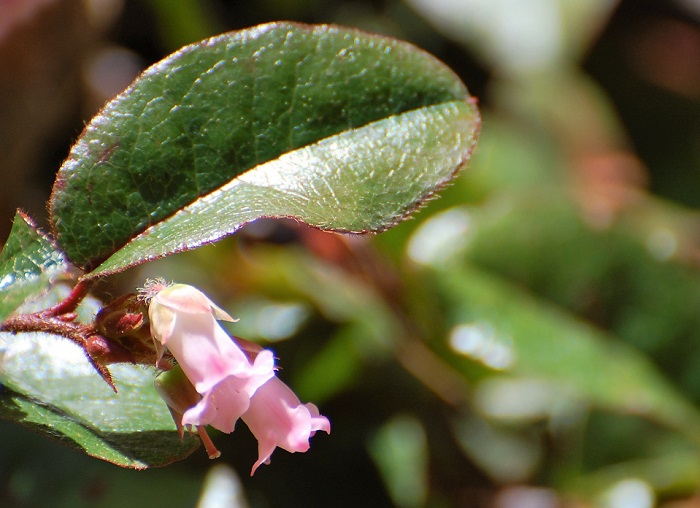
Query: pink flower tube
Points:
[276, 417]
[185, 321]
[231, 386]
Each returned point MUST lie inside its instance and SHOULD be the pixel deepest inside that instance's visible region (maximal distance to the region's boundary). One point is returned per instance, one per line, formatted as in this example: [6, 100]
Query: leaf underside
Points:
[49, 386]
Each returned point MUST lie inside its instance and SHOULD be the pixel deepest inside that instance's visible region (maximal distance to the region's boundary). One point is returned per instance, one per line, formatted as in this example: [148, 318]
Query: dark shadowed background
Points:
[532, 339]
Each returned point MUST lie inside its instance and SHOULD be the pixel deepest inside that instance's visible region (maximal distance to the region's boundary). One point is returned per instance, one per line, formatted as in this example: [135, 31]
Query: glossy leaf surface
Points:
[362, 180]
[27, 262]
[278, 120]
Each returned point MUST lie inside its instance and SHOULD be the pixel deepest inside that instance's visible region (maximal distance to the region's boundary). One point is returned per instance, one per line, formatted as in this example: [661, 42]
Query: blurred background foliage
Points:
[530, 339]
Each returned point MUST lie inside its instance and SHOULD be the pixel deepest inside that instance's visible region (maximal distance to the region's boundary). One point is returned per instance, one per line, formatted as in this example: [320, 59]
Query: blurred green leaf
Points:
[49, 386]
[27, 263]
[508, 453]
[183, 22]
[338, 128]
[334, 367]
[294, 275]
[400, 451]
[623, 278]
[667, 474]
[513, 332]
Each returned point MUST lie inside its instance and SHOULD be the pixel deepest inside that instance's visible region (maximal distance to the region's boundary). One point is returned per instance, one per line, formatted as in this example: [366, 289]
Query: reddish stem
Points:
[44, 322]
[71, 302]
[59, 320]
[208, 443]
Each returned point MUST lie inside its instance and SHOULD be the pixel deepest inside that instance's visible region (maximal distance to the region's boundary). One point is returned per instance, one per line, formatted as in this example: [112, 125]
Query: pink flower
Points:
[184, 319]
[276, 417]
[228, 382]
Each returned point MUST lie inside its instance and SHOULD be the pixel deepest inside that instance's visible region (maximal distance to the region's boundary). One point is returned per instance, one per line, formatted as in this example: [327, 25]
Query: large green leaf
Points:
[49, 386]
[338, 128]
[362, 180]
[27, 262]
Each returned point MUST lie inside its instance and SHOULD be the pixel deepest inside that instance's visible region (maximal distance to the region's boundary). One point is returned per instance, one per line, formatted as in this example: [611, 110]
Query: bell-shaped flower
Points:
[184, 320]
[229, 380]
[277, 418]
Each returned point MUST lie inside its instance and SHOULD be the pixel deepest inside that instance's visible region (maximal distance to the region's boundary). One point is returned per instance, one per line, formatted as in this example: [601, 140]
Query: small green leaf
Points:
[49, 386]
[27, 262]
[338, 128]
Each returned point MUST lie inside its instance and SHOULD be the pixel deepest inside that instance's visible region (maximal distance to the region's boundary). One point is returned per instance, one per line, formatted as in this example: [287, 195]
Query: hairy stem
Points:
[71, 302]
[44, 322]
[59, 320]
